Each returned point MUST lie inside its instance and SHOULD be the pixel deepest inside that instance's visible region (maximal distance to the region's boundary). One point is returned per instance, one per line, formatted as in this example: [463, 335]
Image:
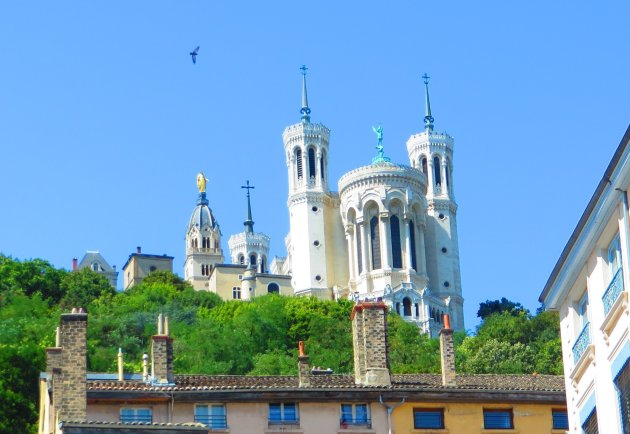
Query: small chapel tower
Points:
[203, 241]
[315, 244]
[250, 248]
[432, 153]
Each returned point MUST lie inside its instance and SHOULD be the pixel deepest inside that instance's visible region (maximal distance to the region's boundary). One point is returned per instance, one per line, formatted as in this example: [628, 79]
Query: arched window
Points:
[357, 234]
[273, 288]
[417, 310]
[412, 245]
[263, 265]
[375, 244]
[216, 244]
[398, 308]
[436, 171]
[241, 259]
[252, 260]
[311, 163]
[322, 164]
[407, 306]
[298, 163]
[424, 165]
[394, 229]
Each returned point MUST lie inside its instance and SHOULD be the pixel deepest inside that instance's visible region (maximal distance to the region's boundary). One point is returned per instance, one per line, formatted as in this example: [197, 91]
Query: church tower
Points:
[203, 241]
[250, 248]
[315, 244]
[432, 153]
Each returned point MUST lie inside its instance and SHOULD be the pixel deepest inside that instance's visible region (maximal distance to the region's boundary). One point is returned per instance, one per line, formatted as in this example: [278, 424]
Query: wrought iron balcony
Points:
[582, 342]
[285, 423]
[213, 421]
[345, 423]
[615, 288]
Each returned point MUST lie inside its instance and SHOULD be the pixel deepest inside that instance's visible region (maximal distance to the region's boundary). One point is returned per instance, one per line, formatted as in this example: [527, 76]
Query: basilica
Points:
[389, 233]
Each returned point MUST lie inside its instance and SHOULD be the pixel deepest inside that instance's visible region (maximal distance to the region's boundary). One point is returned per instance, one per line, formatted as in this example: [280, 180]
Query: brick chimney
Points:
[66, 366]
[371, 349]
[447, 353]
[75, 264]
[162, 353]
[304, 369]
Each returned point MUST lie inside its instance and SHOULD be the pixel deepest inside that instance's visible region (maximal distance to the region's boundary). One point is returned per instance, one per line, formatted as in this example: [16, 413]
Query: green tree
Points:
[31, 277]
[488, 307]
[80, 288]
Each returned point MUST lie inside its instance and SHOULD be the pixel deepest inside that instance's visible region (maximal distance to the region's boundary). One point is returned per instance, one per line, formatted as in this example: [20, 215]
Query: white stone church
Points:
[390, 232]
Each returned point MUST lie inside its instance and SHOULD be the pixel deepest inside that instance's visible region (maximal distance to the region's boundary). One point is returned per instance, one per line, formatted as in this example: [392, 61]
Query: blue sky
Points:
[105, 121]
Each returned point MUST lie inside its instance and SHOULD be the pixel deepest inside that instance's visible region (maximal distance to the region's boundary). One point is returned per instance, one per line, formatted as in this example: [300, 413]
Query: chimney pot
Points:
[75, 264]
[301, 348]
[138, 249]
[447, 321]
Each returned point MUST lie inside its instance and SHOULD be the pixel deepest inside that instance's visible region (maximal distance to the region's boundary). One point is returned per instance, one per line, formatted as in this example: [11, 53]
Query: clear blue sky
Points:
[105, 121]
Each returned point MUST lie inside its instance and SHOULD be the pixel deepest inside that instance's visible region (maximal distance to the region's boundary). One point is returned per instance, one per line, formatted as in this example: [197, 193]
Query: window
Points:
[252, 260]
[394, 228]
[498, 419]
[436, 171]
[428, 418]
[614, 256]
[311, 163]
[128, 415]
[447, 176]
[583, 309]
[236, 293]
[283, 413]
[212, 415]
[560, 419]
[273, 288]
[95, 266]
[298, 163]
[424, 165]
[406, 306]
[152, 268]
[375, 240]
[354, 414]
[321, 165]
[622, 381]
[590, 424]
[263, 264]
[241, 259]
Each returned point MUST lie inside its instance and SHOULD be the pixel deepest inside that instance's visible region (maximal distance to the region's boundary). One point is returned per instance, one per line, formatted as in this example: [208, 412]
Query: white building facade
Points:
[588, 287]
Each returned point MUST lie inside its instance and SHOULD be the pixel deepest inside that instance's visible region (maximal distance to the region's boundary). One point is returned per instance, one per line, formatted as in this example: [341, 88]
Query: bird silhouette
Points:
[193, 54]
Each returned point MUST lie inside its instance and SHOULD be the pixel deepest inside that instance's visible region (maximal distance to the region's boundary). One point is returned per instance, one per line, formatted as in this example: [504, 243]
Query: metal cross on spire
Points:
[249, 223]
[305, 110]
[428, 119]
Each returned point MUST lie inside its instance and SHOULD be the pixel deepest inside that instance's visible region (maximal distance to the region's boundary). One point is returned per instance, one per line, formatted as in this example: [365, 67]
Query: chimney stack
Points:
[447, 353]
[121, 371]
[75, 264]
[68, 364]
[304, 370]
[138, 250]
[162, 354]
[371, 349]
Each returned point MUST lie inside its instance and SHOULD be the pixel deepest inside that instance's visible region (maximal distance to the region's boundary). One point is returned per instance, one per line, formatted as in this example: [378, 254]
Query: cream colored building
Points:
[390, 232]
[140, 265]
[370, 401]
[588, 288]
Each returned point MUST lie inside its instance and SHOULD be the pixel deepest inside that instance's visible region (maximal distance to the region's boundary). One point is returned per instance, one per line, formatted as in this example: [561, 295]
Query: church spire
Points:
[306, 111]
[249, 223]
[428, 119]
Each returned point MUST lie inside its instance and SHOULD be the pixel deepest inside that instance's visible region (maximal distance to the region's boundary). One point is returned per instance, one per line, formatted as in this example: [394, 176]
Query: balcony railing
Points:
[362, 422]
[285, 423]
[215, 422]
[615, 288]
[582, 342]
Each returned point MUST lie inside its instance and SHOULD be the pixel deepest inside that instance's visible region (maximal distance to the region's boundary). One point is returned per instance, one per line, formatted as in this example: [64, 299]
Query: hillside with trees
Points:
[257, 337]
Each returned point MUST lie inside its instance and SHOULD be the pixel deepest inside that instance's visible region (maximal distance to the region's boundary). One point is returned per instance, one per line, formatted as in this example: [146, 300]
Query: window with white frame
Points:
[283, 413]
[136, 414]
[212, 415]
[354, 414]
[583, 310]
[614, 256]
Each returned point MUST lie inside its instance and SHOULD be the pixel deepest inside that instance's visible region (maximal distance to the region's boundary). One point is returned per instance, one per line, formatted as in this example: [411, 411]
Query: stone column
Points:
[386, 247]
[407, 221]
[292, 173]
[318, 174]
[364, 247]
[446, 188]
[421, 257]
[351, 249]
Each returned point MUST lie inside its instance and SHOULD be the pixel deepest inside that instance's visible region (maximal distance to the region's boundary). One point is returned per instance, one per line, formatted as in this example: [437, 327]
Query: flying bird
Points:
[194, 53]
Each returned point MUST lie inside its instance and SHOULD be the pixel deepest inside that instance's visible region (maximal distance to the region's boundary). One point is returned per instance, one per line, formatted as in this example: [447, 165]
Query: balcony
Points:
[360, 422]
[615, 288]
[581, 343]
[213, 421]
[289, 424]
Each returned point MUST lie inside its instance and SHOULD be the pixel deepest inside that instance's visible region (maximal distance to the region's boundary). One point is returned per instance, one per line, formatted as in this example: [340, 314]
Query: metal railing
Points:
[213, 421]
[582, 342]
[285, 423]
[362, 421]
[615, 288]
[129, 418]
